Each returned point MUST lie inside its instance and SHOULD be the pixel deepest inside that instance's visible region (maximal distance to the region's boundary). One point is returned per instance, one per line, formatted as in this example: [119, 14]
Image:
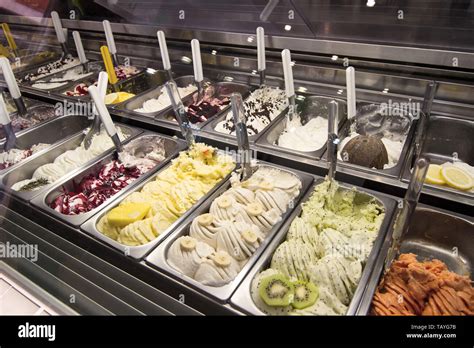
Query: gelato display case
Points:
[237, 158]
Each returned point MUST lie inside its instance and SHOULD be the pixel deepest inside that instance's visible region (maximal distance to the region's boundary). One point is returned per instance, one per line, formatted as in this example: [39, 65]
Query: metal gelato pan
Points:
[29, 59]
[26, 169]
[57, 81]
[446, 139]
[48, 133]
[373, 111]
[138, 252]
[210, 126]
[221, 90]
[158, 258]
[242, 298]
[432, 234]
[171, 146]
[137, 102]
[39, 113]
[312, 107]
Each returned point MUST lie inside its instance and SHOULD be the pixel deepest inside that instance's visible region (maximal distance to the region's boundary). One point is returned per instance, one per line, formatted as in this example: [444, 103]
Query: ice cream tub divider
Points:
[221, 89]
[268, 137]
[242, 298]
[396, 170]
[433, 234]
[26, 169]
[172, 147]
[49, 132]
[158, 257]
[139, 252]
[136, 102]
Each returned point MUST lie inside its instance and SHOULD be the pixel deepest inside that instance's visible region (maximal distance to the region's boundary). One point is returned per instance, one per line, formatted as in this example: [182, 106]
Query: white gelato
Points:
[237, 223]
[163, 101]
[68, 76]
[306, 138]
[67, 162]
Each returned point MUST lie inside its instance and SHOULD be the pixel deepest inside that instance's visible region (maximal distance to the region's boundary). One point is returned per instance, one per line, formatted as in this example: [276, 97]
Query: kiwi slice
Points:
[306, 294]
[276, 290]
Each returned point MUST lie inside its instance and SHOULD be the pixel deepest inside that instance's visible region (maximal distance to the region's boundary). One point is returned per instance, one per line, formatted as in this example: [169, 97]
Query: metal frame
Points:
[382, 52]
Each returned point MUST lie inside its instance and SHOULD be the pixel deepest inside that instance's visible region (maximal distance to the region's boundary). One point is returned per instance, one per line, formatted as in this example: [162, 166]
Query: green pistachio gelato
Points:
[328, 245]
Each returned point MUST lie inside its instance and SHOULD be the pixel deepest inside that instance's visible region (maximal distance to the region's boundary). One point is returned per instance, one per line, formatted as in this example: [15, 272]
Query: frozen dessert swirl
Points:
[221, 242]
[145, 214]
[51, 68]
[14, 156]
[261, 107]
[317, 269]
[427, 288]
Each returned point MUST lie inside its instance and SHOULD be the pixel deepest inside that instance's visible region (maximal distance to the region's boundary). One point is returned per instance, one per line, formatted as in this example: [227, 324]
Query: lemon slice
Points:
[122, 96]
[433, 176]
[457, 178]
[111, 98]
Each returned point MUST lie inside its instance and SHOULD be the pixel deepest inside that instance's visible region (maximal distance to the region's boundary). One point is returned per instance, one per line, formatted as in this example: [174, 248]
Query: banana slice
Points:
[249, 236]
[224, 202]
[266, 185]
[254, 209]
[222, 259]
[205, 219]
[188, 243]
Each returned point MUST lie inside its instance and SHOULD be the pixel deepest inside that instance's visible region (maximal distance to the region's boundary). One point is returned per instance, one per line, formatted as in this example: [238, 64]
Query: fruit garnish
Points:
[276, 290]
[128, 213]
[433, 176]
[205, 219]
[188, 243]
[222, 259]
[457, 178]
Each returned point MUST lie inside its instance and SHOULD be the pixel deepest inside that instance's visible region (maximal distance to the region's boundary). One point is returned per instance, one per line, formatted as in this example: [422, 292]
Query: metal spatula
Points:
[409, 205]
[333, 139]
[180, 112]
[240, 122]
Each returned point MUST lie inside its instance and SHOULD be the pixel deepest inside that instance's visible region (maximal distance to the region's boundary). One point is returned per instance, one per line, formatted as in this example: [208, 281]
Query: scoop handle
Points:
[163, 50]
[261, 63]
[12, 85]
[9, 36]
[109, 36]
[109, 66]
[288, 73]
[102, 110]
[58, 27]
[197, 62]
[351, 92]
[79, 48]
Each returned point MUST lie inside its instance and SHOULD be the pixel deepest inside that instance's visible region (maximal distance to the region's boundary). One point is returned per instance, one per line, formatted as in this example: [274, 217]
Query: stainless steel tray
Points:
[34, 107]
[49, 133]
[137, 102]
[43, 201]
[446, 138]
[93, 67]
[135, 84]
[312, 107]
[222, 89]
[138, 252]
[158, 258]
[26, 169]
[393, 172]
[433, 233]
[242, 298]
[32, 60]
[209, 126]
[34, 68]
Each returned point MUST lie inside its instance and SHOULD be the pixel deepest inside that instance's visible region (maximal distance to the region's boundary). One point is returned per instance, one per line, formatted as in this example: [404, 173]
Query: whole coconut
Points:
[368, 151]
